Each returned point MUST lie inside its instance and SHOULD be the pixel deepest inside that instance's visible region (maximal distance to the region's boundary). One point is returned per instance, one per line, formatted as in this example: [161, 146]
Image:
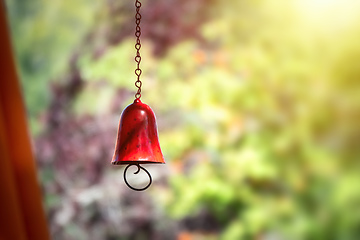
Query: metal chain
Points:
[138, 71]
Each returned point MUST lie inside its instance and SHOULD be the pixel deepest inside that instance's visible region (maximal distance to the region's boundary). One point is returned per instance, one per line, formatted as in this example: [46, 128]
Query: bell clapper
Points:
[138, 170]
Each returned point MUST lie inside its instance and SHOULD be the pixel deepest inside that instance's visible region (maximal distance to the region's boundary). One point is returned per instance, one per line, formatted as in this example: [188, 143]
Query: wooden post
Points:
[21, 211]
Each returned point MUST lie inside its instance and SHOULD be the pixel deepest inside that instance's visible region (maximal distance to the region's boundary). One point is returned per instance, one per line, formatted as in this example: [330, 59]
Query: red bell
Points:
[137, 139]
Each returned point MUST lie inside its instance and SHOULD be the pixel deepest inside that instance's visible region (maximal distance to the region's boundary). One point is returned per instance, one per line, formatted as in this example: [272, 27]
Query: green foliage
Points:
[44, 37]
[259, 119]
[260, 105]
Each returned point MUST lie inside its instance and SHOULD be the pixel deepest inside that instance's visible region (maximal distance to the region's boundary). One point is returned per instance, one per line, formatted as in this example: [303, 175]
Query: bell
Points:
[137, 139]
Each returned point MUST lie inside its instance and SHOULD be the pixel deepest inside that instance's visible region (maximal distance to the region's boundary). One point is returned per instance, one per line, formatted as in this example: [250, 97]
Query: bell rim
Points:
[135, 162]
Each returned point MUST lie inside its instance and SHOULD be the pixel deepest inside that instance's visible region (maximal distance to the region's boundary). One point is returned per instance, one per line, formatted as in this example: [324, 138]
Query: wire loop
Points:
[138, 170]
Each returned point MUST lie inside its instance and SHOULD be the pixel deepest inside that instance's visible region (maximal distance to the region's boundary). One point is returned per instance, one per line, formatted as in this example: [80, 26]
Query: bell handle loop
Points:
[138, 170]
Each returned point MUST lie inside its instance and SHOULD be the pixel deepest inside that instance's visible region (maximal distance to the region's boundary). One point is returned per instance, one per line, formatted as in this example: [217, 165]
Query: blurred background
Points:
[257, 103]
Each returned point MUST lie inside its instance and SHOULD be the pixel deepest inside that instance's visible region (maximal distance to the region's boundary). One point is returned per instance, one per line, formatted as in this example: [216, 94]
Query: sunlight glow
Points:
[335, 14]
[320, 6]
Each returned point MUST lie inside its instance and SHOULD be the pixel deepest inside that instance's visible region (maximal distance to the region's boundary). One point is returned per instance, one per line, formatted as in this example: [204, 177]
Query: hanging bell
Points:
[137, 139]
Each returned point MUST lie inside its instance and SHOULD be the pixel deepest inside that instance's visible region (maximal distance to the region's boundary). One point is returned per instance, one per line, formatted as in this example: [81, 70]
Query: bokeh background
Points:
[257, 103]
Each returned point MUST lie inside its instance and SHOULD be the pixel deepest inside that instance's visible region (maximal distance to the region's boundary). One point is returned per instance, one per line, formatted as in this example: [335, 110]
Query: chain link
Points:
[138, 71]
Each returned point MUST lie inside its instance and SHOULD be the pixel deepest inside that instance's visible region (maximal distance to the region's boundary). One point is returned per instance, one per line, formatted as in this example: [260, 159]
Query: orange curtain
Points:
[21, 211]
